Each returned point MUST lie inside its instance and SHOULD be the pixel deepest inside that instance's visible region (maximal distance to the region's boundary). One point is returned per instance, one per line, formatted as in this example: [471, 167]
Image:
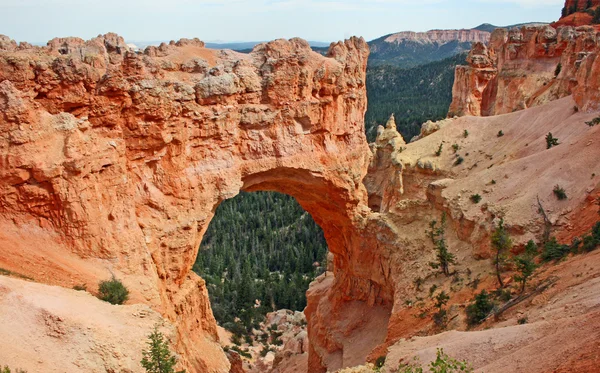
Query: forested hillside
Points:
[408, 53]
[259, 246]
[414, 95]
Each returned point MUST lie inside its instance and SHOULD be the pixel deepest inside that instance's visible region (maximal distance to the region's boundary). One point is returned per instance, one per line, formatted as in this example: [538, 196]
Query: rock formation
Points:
[117, 160]
[518, 69]
[113, 163]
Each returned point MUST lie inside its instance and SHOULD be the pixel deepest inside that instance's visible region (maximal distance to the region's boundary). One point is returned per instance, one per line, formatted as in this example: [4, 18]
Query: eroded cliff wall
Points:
[116, 161]
[518, 70]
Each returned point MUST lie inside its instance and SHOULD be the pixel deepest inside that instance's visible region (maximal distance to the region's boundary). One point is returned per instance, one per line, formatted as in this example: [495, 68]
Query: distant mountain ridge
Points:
[408, 49]
[236, 46]
[439, 36]
[489, 27]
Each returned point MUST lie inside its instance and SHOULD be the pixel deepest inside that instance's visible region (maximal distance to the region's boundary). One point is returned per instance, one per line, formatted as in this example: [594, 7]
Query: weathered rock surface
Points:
[121, 158]
[518, 69]
[51, 329]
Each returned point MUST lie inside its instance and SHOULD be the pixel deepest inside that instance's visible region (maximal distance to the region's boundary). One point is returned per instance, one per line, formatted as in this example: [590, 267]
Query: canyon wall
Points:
[518, 70]
[113, 163]
[440, 36]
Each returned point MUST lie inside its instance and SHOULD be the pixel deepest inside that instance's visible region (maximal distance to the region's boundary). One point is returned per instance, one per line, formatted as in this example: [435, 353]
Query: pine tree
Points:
[158, 358]
[525, 266]
[501, 243]
[444, 257]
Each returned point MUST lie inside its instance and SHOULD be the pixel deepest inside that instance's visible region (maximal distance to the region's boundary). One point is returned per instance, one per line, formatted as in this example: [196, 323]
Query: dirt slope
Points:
[56, 330]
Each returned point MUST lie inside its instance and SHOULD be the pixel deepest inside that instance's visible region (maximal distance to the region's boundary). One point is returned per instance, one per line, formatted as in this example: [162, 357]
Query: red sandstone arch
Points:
[119, 159]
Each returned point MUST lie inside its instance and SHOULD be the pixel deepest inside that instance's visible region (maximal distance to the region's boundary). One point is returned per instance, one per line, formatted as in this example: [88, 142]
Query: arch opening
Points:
[258, 255]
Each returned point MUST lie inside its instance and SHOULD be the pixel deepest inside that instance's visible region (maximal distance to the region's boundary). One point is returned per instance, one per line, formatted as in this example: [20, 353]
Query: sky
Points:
[38, 21]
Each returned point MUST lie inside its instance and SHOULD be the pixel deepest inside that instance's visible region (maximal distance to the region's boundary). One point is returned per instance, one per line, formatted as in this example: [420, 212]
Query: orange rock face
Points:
[518, 70]
[121, 158]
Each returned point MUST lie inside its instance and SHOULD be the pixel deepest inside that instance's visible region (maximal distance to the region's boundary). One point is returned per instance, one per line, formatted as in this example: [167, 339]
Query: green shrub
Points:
[500, 133]
[158, 358]
[554, 251]
[380, 362]
[475, 198]
[439, 151]
[455, 147]
[531, 248]
[442, 364]
[522, 320]
[551, 140]
[480, 308]
[6, 369]
[559, 192]
[265, 350]
[558, 69]
[113, 291]
[594, 121]
[466, 134]
[459, 160]
[592, 241]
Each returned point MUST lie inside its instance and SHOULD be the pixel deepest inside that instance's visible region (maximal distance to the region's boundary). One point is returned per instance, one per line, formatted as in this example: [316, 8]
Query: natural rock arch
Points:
[119, 159]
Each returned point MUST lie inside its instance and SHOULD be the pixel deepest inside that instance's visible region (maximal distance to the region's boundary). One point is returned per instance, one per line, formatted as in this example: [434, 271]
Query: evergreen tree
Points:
[158, 358]
[444, 257]
[525, 267]
[501, 243]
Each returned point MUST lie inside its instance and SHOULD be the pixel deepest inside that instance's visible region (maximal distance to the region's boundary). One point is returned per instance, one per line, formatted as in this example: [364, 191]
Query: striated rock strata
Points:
[518, 69]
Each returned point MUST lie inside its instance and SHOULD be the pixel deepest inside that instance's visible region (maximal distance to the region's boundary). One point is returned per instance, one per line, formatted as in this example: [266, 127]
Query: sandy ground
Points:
[51, 329]
[562, 333]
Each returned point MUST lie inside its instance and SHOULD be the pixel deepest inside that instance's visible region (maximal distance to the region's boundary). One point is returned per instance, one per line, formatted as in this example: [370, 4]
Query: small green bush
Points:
[554, 251]
[551, 140]
[531, 248]
[558, 69]
[500, 133]
[592, 242]
[459, 161]
[380, 362]
[475, 198]
[6, 369]
[466, 134]
[480, 308]
[522, 320]
[439, 151]
[559, 192]
[594, 121]
[455, 147]
[113, 291]
[442, 364]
